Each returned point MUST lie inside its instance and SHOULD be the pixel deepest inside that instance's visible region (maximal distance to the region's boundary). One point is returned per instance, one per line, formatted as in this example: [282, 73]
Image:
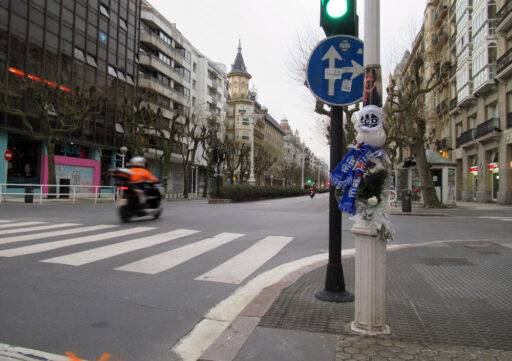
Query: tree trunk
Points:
[207, 181]
[185, 180]
[428, 191]
[52, 178]
[165, 170]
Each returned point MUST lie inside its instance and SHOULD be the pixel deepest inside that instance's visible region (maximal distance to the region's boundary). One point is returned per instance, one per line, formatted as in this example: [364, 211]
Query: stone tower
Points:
[239, 78]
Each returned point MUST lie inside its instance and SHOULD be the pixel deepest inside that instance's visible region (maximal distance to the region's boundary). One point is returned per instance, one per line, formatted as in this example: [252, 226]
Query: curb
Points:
[219, 201]
[414, 214]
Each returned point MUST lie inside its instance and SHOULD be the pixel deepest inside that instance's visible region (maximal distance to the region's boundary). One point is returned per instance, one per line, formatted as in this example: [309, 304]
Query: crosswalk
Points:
[35, 238]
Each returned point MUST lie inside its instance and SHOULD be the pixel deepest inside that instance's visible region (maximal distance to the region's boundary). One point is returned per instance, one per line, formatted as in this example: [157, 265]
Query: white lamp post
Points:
[123, 151]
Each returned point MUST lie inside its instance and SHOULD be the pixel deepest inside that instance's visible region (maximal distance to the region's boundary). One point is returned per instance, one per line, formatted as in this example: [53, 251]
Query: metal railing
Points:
[466, 137]
[505, 61]
[487, 127]
[504, 12]
[41, 192]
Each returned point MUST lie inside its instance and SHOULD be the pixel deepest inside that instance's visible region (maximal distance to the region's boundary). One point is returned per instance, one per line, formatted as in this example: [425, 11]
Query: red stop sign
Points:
[8, 155]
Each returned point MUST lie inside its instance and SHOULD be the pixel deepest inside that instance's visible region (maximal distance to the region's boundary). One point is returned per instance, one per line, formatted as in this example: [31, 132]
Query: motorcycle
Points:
[137, 200]
[312, 193]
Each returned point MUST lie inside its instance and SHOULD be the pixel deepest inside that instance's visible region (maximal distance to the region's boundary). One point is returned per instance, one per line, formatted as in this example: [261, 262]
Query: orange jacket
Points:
[140, 175]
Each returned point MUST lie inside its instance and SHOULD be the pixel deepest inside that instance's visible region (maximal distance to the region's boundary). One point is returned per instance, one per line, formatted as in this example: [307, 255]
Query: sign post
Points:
[335, 75]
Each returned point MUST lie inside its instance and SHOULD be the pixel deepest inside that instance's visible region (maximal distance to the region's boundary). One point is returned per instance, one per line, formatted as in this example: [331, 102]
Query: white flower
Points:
[373, 201]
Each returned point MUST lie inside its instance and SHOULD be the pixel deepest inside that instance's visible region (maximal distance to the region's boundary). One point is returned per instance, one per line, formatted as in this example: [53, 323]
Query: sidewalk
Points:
[448, 301]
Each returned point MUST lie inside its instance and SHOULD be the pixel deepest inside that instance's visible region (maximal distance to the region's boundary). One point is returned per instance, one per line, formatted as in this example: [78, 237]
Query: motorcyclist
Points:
[141, 177]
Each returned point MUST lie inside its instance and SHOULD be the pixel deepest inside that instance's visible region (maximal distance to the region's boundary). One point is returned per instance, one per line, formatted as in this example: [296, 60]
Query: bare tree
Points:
[263, 162]
[212, 142]
[49, 113]
[407, 124]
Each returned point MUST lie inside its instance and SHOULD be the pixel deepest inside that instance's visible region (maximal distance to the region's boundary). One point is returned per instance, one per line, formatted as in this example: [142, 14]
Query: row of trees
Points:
[53, 114]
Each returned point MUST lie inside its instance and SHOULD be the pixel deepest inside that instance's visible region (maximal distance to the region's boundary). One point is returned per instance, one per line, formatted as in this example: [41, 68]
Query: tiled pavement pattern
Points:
[457, 294]
[354, 348]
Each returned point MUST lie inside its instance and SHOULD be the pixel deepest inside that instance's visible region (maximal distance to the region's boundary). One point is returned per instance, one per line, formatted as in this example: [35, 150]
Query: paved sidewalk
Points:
[448, 301]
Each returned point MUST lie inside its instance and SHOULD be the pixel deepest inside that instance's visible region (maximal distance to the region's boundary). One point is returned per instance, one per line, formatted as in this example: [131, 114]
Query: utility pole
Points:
[303, 164]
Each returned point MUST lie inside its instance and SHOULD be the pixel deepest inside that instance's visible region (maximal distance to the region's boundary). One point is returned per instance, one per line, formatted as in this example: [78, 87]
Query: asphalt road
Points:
[73, 279]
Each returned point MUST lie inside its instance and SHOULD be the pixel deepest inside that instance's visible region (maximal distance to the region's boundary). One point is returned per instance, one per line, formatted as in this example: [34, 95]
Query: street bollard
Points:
[406, 201]
[370, 281]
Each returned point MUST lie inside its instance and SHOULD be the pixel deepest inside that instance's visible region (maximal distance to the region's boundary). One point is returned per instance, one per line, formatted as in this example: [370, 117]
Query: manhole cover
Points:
[447, 262]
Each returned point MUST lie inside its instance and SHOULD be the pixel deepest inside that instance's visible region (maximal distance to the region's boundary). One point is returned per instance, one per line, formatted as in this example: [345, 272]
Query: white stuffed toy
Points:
[369, 125]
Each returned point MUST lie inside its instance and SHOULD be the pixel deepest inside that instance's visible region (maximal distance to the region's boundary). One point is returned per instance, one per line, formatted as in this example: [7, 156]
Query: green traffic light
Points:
[336, 8]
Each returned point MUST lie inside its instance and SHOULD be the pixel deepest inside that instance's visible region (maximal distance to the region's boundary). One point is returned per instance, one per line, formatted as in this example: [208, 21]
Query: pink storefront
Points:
[70, 172]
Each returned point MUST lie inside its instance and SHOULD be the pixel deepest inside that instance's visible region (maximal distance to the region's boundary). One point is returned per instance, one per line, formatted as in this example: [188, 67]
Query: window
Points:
[194, 84]
[79, 54]
[122, 24]
[245, 137]
[164, 58]
[91, 61]
[104, 10]
[129, 79]
[194, 67]
[165, 38]
[245, 121]
[112, 71]
[103, 37]
[120, 75]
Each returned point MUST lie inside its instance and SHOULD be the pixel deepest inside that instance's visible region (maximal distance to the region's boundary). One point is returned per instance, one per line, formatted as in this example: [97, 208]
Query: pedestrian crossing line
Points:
[20, 224]
[98, 254]
[238, 268]
[165, 261]
[50, 246]
[5, 221]
[38, 228]
[64, 232]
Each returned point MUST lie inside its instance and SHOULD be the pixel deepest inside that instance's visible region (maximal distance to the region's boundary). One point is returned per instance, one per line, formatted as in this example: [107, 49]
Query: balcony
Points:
[509, 120]
[490, 126]
[504, 18]
[453, 103]
[149, 82]
[153, 40]
[466, 137]
[156, 63]
[505, 65]
[484, 80]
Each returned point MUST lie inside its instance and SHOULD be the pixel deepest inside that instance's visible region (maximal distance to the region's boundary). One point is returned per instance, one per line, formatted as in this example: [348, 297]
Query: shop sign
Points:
[8, 155]
[494, 167]
[474, 170]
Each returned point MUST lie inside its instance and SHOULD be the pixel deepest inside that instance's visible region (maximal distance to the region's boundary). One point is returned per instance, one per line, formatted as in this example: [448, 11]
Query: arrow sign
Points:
[335, 73]
[332, 73]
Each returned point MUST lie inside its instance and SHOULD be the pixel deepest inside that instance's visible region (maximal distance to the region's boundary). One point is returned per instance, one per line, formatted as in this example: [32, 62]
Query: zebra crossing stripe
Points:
[49, 246]
[238, 268]
[5, 221]
[165, 261]
[20, 224]
[38, 228]
[97, 254]
[65, 232]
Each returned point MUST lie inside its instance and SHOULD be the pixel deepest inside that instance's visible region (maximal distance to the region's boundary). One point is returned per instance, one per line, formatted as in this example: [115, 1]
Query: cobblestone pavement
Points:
[456, 294]
[355, 348]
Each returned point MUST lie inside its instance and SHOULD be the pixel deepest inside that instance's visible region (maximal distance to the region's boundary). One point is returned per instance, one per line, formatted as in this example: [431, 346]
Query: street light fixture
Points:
[123, 151]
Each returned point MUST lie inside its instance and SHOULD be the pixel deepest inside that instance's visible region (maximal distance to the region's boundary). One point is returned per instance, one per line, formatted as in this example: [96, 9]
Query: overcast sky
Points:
[269, 31]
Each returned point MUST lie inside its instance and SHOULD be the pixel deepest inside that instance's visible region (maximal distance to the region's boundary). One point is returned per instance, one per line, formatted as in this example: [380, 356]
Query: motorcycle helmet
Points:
[138, 161]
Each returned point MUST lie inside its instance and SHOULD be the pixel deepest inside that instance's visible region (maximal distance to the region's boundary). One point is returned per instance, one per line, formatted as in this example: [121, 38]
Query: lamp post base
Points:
[385, 330]
[334, 297]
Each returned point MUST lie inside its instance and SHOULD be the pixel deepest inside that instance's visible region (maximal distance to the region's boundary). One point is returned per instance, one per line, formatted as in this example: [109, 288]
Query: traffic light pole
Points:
[335, 280]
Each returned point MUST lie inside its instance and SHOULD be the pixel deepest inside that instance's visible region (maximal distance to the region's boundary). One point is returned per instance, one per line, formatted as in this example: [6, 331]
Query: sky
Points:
[269, 31]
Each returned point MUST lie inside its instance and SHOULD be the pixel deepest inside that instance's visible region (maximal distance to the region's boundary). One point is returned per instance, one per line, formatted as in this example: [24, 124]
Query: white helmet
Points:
[138, 162]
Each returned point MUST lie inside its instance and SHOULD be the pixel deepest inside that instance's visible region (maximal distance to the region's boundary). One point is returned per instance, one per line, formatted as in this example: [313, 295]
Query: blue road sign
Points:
[335, 71]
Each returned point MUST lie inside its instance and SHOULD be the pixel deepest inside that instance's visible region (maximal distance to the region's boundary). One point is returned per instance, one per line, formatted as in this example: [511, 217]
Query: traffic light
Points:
[339, 17]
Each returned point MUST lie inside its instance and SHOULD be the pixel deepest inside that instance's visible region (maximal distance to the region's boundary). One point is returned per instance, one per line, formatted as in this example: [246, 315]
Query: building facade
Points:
[68, 44]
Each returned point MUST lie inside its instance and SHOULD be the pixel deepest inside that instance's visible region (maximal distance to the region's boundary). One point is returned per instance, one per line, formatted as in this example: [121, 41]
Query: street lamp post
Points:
[123, 151]
[252, 179]
[303, 166]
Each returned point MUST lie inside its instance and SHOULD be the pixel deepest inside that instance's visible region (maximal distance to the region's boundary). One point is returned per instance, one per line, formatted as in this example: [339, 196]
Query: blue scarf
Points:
[348, 174]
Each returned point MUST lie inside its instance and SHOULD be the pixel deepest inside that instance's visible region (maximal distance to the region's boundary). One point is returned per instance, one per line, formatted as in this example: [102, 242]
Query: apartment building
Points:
[479, 124]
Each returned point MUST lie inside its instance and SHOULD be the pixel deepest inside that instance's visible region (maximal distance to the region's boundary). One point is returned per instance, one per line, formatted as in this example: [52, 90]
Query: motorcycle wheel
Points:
[125, 214]
[157, 215]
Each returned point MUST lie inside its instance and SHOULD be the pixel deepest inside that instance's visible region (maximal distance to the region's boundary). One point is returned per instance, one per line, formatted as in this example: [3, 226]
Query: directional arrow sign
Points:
[335, 71]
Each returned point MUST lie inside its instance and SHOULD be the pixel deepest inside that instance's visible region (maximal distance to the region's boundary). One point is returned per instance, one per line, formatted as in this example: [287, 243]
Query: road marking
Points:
[66, 232]
[39, 228]
[97, 254]
[504, 219]
[238, 268]
[21, 224]
[165, 261]
[49, 246]
[25, 354]
[5, 221]
[202, 336]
